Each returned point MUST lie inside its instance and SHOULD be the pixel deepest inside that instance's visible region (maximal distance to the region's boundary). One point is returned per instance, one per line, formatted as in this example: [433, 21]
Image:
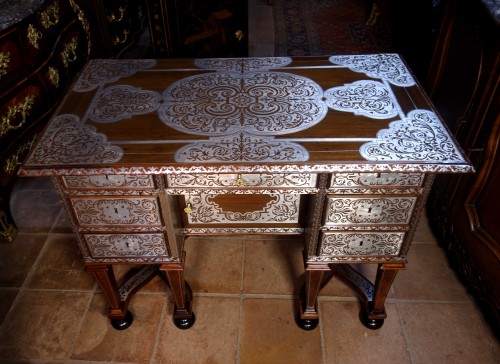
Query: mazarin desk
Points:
[341, 150]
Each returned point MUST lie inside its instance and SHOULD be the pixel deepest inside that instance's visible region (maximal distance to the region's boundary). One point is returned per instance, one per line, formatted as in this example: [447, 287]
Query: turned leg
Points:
[374, 313]
[120, 317]
[183, 315]
[308, 316]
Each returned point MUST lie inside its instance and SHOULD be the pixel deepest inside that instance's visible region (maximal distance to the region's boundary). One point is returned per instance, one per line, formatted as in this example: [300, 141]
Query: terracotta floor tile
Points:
[7, 297]
[60, 266]
[348, 341]
[428, 276]
[39, 219]
[98, 340]
[337, 288]
[270, 335]
[42, 325]
[214, 264]
[424, 232]
[273, 266]
[18, 257]
[448, 333]
[212, 340]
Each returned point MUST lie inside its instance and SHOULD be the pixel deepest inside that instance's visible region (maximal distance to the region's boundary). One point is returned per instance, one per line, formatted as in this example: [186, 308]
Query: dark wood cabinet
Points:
[463, 83]
[40, 52]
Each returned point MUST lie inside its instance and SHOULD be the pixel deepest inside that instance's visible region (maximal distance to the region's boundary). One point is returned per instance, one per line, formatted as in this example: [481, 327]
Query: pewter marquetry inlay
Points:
[262, 103]
[368, 98]
[361, 243]
[380, 210]
[126, 245]
[68, 140]
[420, 137]
[242, 65]
[282, 208]
[247, 180]
[119, 102]
[109, 181]
[387, 67]
[376, 179]
[98, 72]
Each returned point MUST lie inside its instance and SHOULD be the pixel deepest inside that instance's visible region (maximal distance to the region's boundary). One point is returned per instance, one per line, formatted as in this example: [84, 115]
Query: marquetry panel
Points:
[376, 179]
[132, 211]
[109, 181]
[361, 243]
[369, 210]
[125, 246]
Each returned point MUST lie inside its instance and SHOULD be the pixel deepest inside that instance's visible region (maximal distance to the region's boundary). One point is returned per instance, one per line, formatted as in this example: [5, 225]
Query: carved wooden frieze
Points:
[359, 210]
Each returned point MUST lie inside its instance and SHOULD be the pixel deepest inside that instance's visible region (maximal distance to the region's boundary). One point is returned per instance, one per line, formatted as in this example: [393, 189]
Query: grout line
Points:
[409, 347]
[161, 326]
[321, 331]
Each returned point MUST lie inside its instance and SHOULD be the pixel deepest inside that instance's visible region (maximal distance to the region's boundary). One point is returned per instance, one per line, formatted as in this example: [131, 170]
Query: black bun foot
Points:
[372, 324]
[185, 323]
[306, 324]
[122, 324]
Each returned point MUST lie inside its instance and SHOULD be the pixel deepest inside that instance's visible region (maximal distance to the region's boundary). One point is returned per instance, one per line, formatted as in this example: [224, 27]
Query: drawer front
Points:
[281, 180]
[243, 209]
[109, 182]
[373, 211]
[376, 179]
[123, 246]
[116, 211]
[360, 243]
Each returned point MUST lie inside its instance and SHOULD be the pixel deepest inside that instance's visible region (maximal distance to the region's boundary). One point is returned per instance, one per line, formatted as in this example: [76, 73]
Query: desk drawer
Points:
[130, 211]
[109, 182]
[268, 181]
[369, 210]
[123, 247]
[376, 180]
[361, 243]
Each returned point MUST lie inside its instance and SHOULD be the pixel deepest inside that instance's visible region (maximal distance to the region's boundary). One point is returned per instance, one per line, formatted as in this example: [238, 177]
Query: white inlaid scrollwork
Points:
[249, 180]
[358, 243]
[97, 72]
[376, 210]
[388, 67]
[420, 137]
[119, 102]
[368, 98]
[125, 245]
[242, 147]
[282, 208]
[376, 179]
[109, 181]
[243, 65]
[69, 141]
[262, 103]
[117, 211]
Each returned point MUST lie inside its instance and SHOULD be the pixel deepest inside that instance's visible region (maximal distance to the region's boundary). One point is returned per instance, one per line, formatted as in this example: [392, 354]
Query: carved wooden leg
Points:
[183, 315]
[308, 316]
[120, 317]
[374, 314]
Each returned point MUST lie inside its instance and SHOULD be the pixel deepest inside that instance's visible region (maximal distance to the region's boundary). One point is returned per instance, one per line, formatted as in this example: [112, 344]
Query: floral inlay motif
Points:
[388, 67]
[263, 103]
[122, 102]
[368, 98]
[362, 243]
[97, 72]
[420, 137]
[69, 141]
[242, 65]
[242, 147]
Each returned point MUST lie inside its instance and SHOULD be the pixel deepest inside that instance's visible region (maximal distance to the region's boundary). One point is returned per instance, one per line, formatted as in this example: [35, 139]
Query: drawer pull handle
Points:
[239, 181]
[188, 209]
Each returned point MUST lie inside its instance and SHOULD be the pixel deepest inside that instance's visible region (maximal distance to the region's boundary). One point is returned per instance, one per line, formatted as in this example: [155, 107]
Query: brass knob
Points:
[239, 35]
[239, 181]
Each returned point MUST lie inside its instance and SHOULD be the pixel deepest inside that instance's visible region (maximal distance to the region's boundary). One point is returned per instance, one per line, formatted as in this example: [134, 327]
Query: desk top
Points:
[275, 114]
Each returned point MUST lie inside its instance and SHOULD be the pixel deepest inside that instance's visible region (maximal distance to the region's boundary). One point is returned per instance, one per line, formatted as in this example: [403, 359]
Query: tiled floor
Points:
[51, 311]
